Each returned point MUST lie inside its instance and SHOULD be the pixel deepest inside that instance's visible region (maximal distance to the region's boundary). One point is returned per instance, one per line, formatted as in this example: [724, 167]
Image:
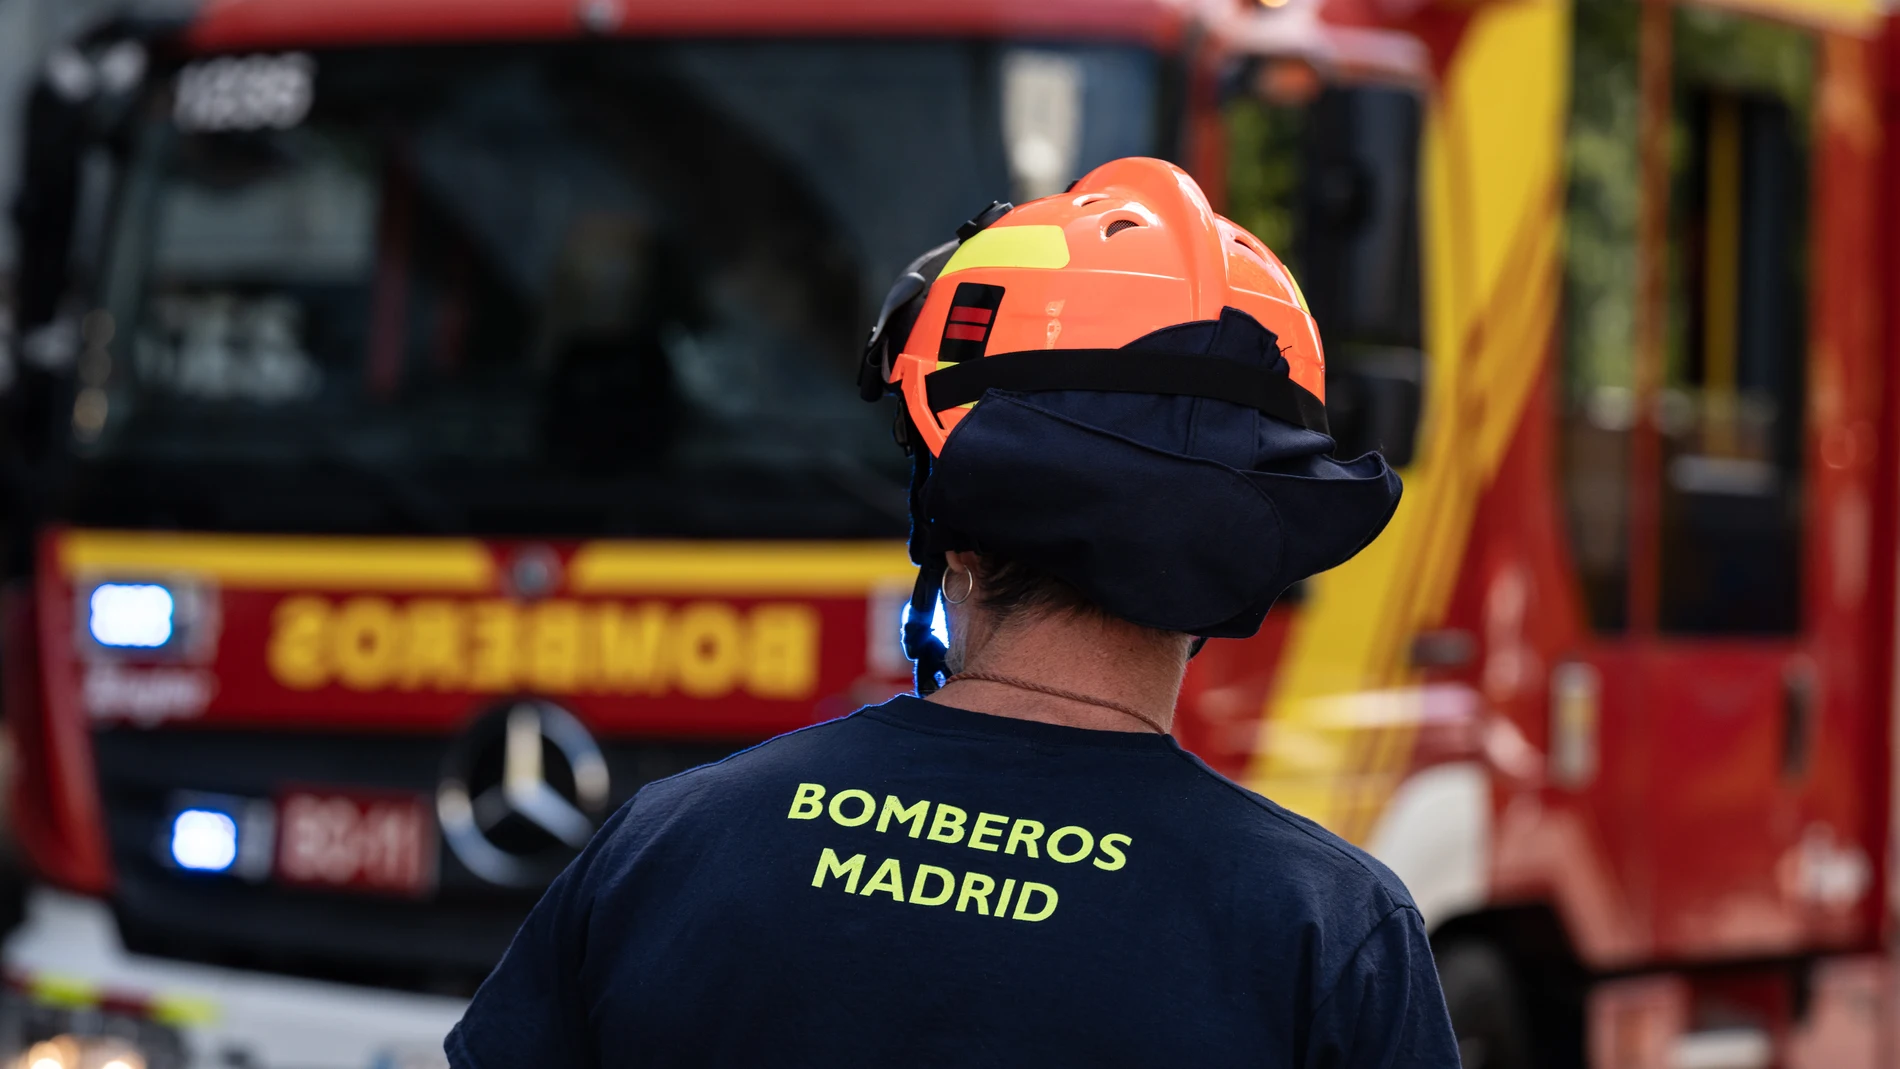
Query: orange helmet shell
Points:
[1132, 248]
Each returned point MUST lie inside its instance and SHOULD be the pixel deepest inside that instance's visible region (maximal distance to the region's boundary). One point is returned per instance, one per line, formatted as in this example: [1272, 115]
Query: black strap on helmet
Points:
[1150, 371]
[894, 322]
[906, 299]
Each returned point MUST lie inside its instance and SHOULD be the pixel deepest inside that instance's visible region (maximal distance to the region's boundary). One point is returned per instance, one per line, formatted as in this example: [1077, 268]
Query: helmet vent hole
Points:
[1243, 244]
[1089, 198]
[1117, 227]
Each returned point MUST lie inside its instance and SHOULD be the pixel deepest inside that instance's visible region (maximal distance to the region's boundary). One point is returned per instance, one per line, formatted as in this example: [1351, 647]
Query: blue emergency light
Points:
[939, 623]
[204, 840]
[130, 615]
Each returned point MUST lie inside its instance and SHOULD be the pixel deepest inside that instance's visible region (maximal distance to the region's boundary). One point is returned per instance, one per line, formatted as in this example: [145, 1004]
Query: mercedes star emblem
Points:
[522, 793]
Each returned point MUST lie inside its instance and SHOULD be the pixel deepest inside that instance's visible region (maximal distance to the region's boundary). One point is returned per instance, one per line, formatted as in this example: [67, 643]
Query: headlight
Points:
[73, 1052]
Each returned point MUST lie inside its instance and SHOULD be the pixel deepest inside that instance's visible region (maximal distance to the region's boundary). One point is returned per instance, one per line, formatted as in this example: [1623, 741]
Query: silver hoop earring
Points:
[968, 588]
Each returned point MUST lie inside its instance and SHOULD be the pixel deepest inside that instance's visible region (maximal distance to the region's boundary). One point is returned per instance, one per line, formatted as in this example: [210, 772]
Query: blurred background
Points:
[423, 423]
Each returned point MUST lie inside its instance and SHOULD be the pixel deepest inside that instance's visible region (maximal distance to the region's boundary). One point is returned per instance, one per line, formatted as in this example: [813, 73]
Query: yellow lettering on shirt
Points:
[923, 820]
[1024, 833]
[829, 865]
[920, 897]
[889, 878]
[1042, 911]
[1069, 857]
[976, 888]
[912, 814]
[948, 827]
[807, 803]
[988, 825]
[862, 799]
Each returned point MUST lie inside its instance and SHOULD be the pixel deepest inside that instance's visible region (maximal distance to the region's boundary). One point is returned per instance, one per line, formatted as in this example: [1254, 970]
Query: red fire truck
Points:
[435, 421]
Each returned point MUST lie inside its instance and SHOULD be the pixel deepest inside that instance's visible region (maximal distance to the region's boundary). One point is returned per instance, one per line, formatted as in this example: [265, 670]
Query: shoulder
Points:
[772, 769]
[1300, 892]
[1277, 848]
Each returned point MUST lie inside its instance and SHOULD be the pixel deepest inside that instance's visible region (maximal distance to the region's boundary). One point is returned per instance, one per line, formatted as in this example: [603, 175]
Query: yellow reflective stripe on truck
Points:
[73, 993]
[65, 992]
[275, 562]
[466, 565]
[181, 1011]
[744, 569]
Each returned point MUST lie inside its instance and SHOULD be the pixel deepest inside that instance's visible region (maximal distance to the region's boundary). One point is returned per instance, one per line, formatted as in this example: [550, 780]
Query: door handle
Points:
[1444, 648]
[1576, 710]
[1799, 695]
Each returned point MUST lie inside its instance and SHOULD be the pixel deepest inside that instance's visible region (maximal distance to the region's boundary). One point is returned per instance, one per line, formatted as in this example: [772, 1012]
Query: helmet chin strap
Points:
[894, 323]
[921, 644]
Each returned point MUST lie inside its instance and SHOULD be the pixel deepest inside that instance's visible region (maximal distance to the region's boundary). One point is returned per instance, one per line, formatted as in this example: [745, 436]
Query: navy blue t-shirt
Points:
[919, 885]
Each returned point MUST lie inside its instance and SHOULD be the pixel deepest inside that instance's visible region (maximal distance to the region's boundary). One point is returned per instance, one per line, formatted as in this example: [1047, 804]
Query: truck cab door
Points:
[1764, 662]
[1719, 488]
[1756, 812]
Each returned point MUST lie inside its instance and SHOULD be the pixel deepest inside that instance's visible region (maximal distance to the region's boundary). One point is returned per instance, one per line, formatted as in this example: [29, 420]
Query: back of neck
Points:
[1087, 656]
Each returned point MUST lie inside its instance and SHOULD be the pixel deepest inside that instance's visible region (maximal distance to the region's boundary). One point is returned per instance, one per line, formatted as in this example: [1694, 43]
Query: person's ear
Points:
[959, 576]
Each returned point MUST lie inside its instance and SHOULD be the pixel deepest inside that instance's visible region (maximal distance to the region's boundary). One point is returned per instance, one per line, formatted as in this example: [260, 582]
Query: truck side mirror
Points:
[1373, 400]
[46, 207]
[1326, 172]
[44, 213]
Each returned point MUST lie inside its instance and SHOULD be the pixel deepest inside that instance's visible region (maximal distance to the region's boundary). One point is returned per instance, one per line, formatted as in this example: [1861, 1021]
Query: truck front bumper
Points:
[67, 968]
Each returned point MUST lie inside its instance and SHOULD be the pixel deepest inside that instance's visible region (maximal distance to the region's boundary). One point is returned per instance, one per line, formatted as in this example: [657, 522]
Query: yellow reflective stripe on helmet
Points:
[1298, 294]
[1011, 246]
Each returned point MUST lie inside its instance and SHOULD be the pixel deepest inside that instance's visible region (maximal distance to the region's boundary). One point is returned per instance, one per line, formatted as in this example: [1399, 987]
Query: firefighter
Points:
[1113, 399]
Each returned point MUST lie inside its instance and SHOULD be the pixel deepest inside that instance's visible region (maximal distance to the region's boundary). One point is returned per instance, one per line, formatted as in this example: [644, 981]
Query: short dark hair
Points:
[1011, 588]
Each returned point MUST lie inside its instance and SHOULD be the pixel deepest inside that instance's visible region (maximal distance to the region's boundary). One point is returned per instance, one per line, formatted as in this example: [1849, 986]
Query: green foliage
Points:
[1263, 172]
[1600, 214]
[1719, 50]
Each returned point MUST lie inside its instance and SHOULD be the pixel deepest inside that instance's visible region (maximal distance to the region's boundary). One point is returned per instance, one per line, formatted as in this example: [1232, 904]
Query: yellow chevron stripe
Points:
[1492, 169]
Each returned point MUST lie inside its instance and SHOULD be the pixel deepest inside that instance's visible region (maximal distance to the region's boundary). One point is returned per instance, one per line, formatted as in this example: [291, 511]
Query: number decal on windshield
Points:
[218, 346]
[245, 93]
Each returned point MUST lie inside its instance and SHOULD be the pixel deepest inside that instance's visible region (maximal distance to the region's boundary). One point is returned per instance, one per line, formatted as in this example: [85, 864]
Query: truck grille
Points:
[444, 944]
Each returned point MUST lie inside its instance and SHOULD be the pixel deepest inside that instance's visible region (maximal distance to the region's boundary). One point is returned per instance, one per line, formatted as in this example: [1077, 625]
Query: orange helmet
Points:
[1131, 248]
[1105, 319]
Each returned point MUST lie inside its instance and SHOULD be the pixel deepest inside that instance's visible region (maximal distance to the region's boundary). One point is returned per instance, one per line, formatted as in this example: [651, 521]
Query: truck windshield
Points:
[600, 288]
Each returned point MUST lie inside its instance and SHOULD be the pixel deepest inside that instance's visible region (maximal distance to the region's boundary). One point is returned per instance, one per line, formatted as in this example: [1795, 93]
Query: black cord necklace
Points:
[1058, 692]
